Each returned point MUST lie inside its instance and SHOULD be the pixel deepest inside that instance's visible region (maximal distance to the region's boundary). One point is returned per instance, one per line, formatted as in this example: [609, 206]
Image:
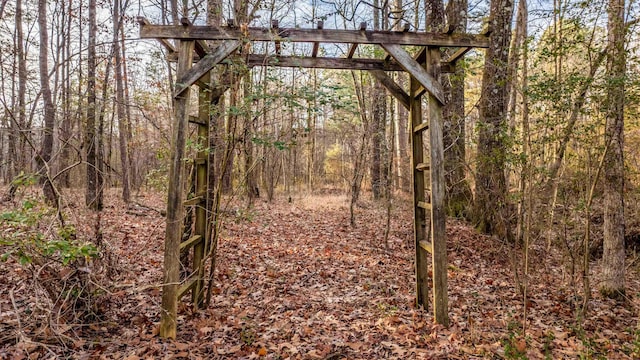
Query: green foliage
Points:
[23, 240]
[514, 345]
[158, 178]
[248, 335]
[24, 180]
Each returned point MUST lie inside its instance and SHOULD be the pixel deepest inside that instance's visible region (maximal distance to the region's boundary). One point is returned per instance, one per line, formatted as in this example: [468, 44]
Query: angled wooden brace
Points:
[418, 72]
[205, 65]
[392, 86]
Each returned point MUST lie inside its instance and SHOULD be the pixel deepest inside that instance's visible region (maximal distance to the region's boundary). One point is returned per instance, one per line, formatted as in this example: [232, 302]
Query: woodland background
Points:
[541, 147]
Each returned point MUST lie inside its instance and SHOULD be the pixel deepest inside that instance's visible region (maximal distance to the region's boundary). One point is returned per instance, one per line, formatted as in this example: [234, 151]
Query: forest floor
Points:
[295, 281]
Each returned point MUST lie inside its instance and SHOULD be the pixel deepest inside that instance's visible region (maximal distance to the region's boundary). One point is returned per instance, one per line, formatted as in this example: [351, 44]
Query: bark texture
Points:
[93, 197]
[46, 148]
[458, 193]
[490, 207]
[613, 256]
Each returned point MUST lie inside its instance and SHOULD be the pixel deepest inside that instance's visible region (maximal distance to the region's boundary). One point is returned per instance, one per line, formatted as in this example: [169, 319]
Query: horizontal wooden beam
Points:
[416, 70]
[167, 45]
[321, 63]
[393, 88]
[205, 64]
[148, 31]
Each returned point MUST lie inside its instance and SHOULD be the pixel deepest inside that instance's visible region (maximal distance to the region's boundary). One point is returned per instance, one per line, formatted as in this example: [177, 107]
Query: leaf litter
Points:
[295, 281]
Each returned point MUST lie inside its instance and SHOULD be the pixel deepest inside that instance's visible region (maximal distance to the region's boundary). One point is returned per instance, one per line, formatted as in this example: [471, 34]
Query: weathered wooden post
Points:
[175, 209]
[438, 215]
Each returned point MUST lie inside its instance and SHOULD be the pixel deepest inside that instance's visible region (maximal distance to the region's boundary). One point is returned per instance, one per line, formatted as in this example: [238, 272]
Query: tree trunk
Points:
[122, 119]
[613, 256]
[358, 166]
[248, 147]
[66, 126]
[458, 193]
[46, 149]
[93, 197]
[379, 109]
[22, 91]
[378, 121]
[491, 208]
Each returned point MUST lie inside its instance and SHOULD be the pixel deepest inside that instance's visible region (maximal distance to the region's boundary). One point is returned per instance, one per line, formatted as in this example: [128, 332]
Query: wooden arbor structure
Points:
[195, 62]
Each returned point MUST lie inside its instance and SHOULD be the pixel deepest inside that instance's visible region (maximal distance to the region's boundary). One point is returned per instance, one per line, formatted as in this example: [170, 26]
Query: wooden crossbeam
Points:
[316, 45]
[394, 89]
[167, 45]
[321, 63]
[413, 67]
[312, 35]
[205, 64]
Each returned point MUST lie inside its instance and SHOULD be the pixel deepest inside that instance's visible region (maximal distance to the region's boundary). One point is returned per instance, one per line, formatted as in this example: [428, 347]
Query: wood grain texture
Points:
[394, 89]
[202, 67]
[175, 209]
[438, 215]
[148, 31]
[407, 62]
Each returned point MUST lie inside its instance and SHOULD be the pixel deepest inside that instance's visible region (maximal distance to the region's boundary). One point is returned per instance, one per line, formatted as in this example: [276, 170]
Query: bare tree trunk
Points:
[378, 106]
[22, 90]
[377, 138]
[251, 182]
[491, 202]
[358, 166]
[458, 193]
[613, 256]
[122, 119]
[93, 195]
[402, 168]
[133, 170]
[66, 126]
[46, 150]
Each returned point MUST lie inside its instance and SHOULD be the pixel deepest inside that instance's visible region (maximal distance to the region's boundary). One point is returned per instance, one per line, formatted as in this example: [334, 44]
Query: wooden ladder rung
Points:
[423, 167]
[425, 205]
[193, 201]
[427, 246]
[190, 242]
[421, 127]
[196, 120]
[188, 285]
